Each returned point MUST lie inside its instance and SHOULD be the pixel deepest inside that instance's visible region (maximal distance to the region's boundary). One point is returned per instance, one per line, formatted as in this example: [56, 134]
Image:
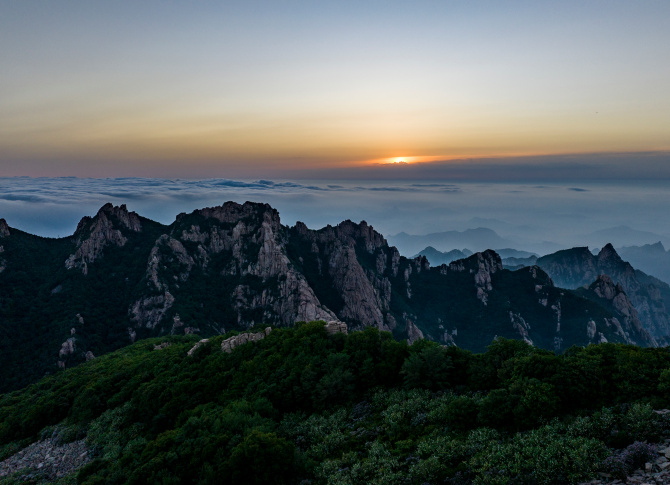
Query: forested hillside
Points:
[304, 407]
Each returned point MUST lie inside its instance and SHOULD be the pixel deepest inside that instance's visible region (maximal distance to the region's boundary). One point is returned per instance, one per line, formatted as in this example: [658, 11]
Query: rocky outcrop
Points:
[47, 459]
[605, 288]
[336, 327]
[197, 346]
[520, 326]
[4, 228]
[482, 265]
[149, 311]
[67, 348]
[231, 343]
[413, 332]
[366, 294]
[590, 329]
[92, 235]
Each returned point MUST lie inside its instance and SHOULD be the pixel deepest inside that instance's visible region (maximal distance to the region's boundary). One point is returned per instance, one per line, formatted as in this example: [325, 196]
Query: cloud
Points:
[560, 214]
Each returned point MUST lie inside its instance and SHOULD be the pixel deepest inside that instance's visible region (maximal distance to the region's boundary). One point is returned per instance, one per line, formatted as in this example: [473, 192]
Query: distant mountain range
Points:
[479, 239]
[507, 255]
[621, 236]
[650, 258]
[121, 277]
[645, 250]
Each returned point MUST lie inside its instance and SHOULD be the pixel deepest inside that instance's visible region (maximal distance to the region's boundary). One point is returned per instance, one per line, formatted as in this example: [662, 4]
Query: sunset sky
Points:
[334, 89]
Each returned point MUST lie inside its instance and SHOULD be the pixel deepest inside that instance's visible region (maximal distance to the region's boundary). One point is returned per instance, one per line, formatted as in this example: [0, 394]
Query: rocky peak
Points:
[606, 288]
[128, 220]
[4, 228]
[609, 257]
[232, 213]
[371, 238]
[254, 236]
[101, 232]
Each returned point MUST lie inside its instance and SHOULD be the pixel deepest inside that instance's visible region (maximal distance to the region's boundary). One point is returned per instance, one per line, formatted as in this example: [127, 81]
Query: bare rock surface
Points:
[605, 288]
[4, 228]
[231, 343]
[48, 459]
[253, 234]
[336, 327]
[93, 234]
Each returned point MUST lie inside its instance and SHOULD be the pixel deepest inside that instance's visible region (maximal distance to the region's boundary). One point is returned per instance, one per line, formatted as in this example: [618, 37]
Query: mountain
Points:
[517, 263]
[478, 239]
[653, 259]
[515, 253]
[572, 268]
[120, 278]
[621, 236]
[436, 257]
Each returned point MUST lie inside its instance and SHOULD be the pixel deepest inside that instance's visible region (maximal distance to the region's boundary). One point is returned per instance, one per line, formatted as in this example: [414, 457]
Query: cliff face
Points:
[573, 268]
[628, 325]
[239, 246]
[364, 295]
[4, 228]
[235, 266]
[93, 234]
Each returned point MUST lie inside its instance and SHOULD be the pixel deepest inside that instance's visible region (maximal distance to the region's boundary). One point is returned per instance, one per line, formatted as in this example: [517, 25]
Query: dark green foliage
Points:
[428, 368]
[300, 404]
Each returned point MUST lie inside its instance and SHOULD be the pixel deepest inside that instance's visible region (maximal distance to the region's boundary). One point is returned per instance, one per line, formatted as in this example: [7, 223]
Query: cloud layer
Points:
[538, 217]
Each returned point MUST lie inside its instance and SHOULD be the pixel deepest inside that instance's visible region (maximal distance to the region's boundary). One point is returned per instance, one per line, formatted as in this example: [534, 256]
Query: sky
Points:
[296, 90]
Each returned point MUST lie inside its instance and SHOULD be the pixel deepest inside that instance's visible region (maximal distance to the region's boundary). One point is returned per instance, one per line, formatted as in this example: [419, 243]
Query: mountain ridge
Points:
[121, 277]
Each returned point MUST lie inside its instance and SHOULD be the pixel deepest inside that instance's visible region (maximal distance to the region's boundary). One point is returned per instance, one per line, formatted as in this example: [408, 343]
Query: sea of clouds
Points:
[531, 214]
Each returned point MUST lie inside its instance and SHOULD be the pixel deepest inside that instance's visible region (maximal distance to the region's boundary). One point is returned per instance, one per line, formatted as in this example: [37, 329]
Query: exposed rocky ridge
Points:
[93, 234]
[628, 323]
[4, 228]
[250, 236]
[577, 267]
[366, 296]
[235, 267]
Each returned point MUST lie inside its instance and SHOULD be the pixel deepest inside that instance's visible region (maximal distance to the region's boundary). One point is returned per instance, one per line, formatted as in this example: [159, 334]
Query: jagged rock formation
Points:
[231, 343]
[197, 346]
[248, 238]
[93, 234]
[573, 268]
[4, 228]
[413, 332]
[336, 327]
[365, 297]
[235, 267]
[628, 323]
[487, 263]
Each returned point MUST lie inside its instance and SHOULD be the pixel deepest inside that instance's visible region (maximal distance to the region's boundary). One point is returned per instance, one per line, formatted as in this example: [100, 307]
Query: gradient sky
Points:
[296, 89]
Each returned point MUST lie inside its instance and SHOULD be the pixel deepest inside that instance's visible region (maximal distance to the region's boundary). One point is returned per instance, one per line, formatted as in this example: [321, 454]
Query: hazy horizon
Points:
[527, 216]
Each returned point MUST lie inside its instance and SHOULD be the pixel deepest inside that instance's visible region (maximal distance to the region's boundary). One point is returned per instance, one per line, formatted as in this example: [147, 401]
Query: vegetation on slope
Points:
[304, 407]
